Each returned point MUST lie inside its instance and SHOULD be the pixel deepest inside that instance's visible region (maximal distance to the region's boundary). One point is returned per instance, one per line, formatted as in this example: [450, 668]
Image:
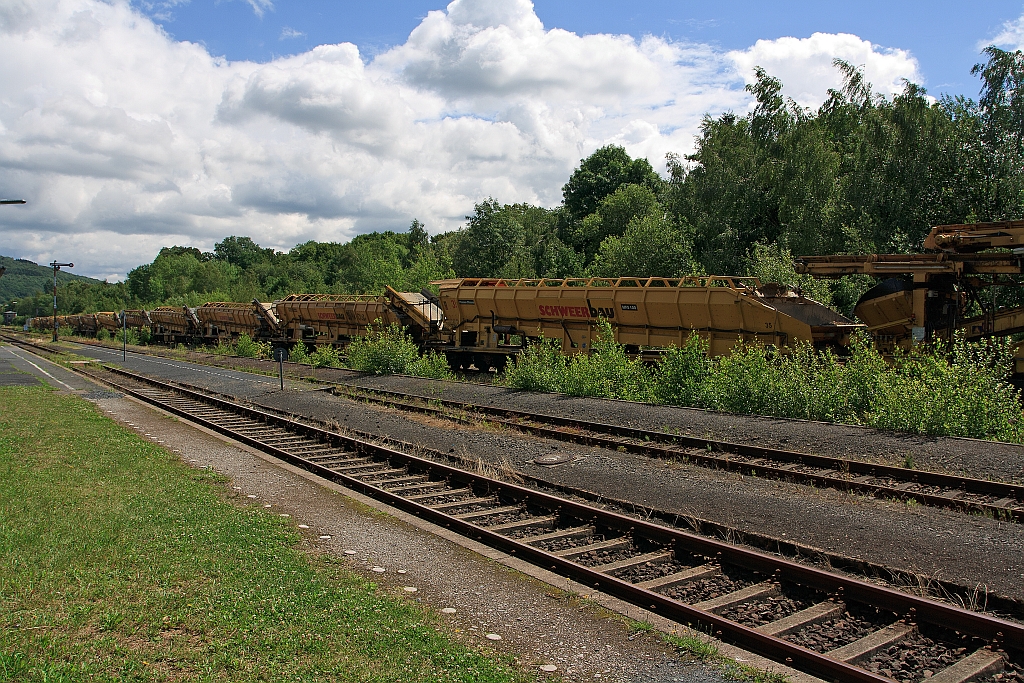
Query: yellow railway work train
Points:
[481, 322]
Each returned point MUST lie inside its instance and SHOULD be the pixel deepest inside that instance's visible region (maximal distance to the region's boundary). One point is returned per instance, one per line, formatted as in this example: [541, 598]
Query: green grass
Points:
[704, 650]
[117, 562]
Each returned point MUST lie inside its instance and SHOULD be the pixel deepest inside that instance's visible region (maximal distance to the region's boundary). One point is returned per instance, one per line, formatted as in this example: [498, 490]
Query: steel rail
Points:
[997, 631]
[700, 451]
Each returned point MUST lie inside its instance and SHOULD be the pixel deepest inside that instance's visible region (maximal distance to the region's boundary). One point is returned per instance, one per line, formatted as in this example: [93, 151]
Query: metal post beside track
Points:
[280, 352]
[56, 266]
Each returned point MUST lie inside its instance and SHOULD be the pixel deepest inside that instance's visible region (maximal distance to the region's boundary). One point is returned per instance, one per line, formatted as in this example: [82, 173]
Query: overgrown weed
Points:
[389, 350]
[956, 388]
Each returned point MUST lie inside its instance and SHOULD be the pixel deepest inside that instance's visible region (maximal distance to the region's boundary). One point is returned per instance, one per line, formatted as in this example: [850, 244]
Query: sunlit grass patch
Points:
[117, 562]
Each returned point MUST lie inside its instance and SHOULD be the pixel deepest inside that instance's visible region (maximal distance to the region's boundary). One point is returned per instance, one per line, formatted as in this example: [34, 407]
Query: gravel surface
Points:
[853, 624]
[984, 460]
[915, 658]
[941, 544]
[729, 581]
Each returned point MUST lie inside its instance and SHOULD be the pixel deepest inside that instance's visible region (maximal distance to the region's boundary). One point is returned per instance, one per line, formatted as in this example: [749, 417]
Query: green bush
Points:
[248, 348]
[538, 368]
[433, 365]
[325, 356]
[299, 353]
[133, 336]
[682, 373]
[385, 350]
[102, 334]
[956, 389]
[221, 349]
[606, 372]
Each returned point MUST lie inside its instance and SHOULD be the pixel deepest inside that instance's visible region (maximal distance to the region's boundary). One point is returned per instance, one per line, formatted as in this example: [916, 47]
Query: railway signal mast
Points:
[57, 266]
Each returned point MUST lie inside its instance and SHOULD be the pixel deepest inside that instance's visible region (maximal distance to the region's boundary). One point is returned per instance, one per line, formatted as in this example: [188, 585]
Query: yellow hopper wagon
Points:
[487, 320]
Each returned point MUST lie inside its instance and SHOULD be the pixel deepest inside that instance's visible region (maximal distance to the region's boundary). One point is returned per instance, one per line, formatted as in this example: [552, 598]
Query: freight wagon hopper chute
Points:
[420, 312]
[484, 317]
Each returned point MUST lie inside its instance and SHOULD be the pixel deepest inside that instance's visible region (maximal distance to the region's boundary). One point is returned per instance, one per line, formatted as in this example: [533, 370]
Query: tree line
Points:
[861, 173]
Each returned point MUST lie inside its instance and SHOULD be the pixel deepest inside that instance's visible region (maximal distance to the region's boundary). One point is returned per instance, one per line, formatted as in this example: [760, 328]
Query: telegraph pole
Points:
[57, 266]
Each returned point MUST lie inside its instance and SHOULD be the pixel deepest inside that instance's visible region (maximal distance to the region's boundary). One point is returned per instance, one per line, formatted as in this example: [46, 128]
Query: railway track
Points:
[996, 499]
[835, 627]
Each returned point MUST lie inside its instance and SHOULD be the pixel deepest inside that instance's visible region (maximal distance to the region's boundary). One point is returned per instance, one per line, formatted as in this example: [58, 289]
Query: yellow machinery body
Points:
[489, 318]
[934, 295]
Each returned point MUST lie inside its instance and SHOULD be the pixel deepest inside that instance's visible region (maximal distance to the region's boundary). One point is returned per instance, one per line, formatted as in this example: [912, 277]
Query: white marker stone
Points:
[548, 668]
[250, 496]
[379, 570]
[409, 589]
[285, 514]
[447, 610]
[350, 552]
[303, 526]
[492, 636]
[325, 538]
[268, 505]
[401, 571]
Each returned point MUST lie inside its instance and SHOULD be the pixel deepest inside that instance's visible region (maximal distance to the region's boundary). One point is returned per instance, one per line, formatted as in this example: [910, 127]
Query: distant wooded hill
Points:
[25, 278]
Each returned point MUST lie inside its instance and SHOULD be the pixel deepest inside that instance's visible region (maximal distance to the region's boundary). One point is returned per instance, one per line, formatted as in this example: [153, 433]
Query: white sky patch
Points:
[1011, 37]
[124, 140]
[804, 65]
[260, 6]
[288, 32]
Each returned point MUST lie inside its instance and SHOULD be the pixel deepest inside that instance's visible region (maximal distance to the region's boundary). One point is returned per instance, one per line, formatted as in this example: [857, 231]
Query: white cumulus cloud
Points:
[124, 140]
[1011, 37]
[804, 65]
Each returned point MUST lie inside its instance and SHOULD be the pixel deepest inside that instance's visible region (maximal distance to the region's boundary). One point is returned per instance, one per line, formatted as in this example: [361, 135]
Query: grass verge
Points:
[117, 562]
[704, 650]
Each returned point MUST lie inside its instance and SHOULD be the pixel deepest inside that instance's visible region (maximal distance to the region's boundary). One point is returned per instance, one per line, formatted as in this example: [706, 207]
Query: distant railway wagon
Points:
[136, 319]
[108, 320]
[174, 324]
[489, 319]
[226, 320]
[339, 318]
[330, 318]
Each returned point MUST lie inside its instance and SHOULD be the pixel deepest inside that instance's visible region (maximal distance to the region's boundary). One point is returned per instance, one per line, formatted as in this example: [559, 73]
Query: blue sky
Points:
[130, 125]
[942, 34]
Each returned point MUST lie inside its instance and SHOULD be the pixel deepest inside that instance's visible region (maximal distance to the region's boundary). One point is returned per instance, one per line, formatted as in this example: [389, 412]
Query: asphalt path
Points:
[241, 384]
[15, 362]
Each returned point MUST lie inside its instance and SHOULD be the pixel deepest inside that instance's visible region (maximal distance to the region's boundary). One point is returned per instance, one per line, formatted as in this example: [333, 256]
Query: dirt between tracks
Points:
[942, 544]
